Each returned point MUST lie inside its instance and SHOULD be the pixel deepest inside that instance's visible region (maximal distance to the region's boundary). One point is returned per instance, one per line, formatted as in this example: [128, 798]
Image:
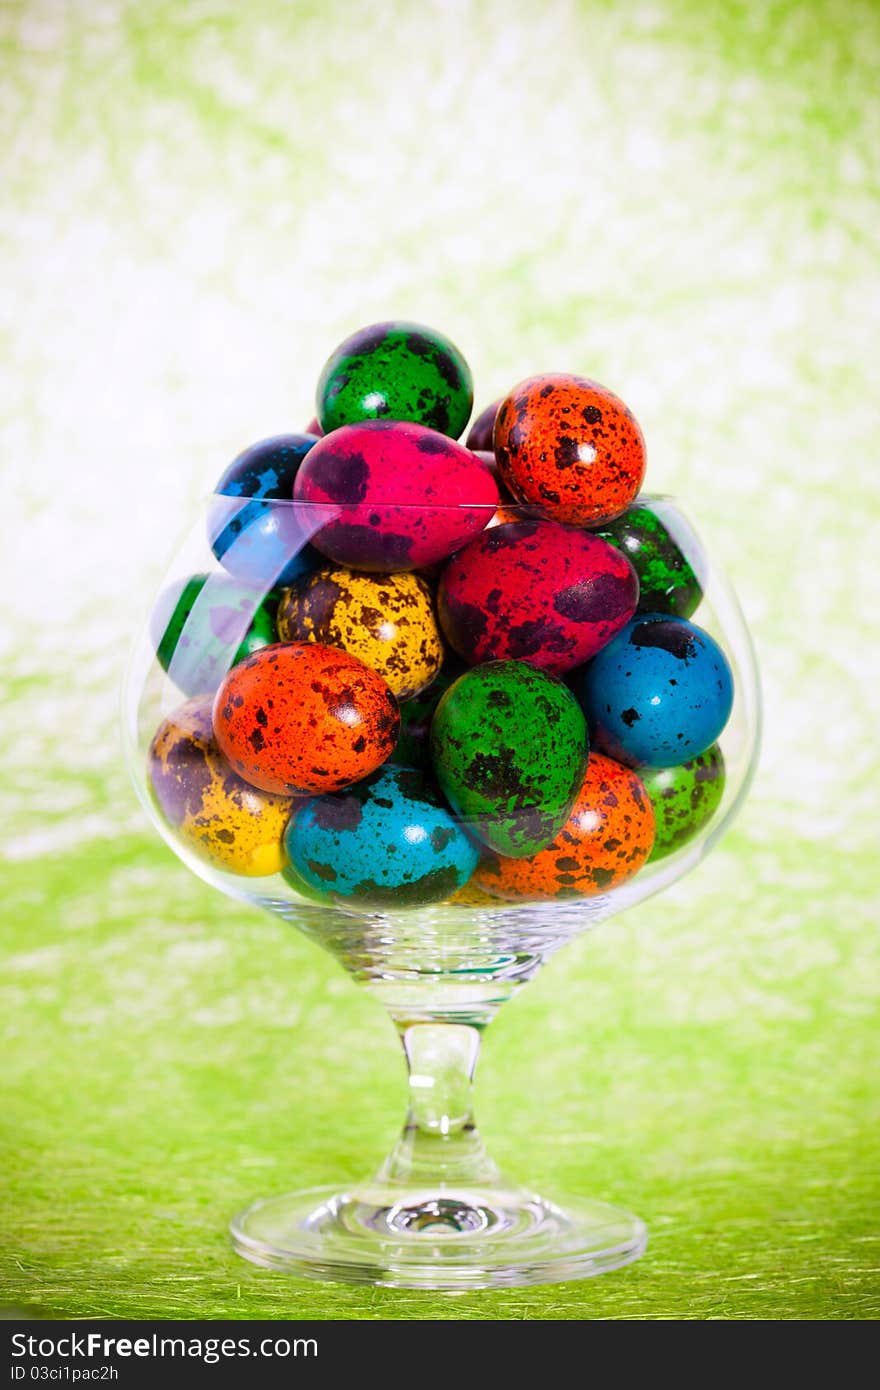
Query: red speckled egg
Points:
[536, 591]
[605, 840]
[302, 717]
[571, 445]
[408, 496]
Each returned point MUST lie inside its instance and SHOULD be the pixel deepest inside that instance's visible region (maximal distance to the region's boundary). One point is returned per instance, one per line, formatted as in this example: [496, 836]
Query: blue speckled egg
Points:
[387, 842]
[256, 541]
[659, 693]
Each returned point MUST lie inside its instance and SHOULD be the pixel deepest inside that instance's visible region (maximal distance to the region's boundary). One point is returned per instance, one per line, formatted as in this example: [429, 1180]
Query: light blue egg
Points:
[660, 693]
[264, 539]
[389, 841]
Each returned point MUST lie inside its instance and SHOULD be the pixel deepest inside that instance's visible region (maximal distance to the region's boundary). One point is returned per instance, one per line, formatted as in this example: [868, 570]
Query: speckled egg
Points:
[414, 744]
[301, 717]
[407, 495]
[667, 582]
[396, 371]
[660, 693]
[387, 621]
[535, 591]
[314, 427]
[255, 540]
[471, 895]
[684, 798]
[203, 625]
[480, 434]
[509, 746]
[571, 445]
[605, 840]
[487, 458]
[389, 842]
[214, 812]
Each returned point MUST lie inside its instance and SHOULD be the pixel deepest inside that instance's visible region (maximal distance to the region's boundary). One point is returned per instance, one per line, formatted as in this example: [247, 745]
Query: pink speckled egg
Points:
[407, 496]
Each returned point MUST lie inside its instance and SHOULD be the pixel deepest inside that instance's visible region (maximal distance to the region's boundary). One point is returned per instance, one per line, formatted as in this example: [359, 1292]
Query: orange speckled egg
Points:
[302, 717]
[570, 445]
[213, 810]
[605, 840]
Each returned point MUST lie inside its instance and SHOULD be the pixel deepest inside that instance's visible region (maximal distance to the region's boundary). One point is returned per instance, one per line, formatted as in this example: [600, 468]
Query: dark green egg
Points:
[509, 746]
[203, 625]
[396, 371]
[684, 798]
[667, 582]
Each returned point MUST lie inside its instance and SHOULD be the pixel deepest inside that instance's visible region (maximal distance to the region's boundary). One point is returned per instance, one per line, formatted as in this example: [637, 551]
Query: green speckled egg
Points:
[684, 798]
[667, 582]
[203, 625]
[509, 745]
[396, 371]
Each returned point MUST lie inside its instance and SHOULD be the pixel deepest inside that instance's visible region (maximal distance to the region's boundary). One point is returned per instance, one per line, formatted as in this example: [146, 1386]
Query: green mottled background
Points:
[200, 198]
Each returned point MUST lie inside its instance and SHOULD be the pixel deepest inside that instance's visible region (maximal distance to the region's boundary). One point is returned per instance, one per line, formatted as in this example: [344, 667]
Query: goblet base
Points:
[449, 1237]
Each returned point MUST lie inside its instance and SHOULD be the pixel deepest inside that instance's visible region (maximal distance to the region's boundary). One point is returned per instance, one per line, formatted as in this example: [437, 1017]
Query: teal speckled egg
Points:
[509, 746]
[684, 798]
[389, 841]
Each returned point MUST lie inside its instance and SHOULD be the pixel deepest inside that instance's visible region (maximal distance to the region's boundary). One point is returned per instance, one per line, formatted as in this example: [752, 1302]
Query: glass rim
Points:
[532, 511]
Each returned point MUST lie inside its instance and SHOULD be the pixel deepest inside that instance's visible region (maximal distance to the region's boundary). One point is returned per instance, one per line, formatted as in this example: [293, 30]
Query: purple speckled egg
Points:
[481, 431]
[407, 496]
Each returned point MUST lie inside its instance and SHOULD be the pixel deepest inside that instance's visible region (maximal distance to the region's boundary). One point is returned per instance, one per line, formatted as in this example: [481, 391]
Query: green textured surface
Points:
[677, 199]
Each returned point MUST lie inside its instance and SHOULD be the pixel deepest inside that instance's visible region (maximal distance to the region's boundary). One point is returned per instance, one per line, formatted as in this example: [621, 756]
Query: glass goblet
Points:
[438, 1214]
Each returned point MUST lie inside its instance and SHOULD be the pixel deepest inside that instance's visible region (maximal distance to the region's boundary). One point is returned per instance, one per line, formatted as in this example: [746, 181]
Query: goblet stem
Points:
[440, 1143]
[438, 1214]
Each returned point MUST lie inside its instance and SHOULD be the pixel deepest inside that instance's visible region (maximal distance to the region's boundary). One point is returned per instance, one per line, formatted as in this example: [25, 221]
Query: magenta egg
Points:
[535, 591]
[407, 496]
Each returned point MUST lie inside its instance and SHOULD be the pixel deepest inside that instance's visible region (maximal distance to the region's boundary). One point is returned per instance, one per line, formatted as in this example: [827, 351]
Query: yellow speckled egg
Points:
[472, 895]
[386, 620]
[218, 815]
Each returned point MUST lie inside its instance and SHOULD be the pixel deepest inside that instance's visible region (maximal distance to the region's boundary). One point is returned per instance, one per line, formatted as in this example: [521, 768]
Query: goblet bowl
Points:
[440, 895]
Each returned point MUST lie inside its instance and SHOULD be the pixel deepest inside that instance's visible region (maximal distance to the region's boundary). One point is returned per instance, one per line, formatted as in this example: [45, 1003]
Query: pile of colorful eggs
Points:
[426, 671]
